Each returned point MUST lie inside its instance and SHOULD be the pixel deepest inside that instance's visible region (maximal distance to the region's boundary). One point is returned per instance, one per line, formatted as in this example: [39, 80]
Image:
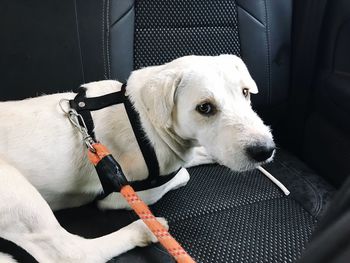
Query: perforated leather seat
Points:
[220, 216]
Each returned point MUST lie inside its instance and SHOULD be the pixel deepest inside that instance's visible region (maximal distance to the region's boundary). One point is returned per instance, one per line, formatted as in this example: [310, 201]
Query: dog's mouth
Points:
[251, 165]
[246, 163]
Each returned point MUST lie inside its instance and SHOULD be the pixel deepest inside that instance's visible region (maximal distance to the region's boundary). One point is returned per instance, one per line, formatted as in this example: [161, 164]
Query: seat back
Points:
[57, 45]
[154, 32]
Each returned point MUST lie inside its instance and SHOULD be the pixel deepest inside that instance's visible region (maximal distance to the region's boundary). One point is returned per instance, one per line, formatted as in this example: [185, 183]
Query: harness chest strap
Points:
[84, 106]
[109, 171]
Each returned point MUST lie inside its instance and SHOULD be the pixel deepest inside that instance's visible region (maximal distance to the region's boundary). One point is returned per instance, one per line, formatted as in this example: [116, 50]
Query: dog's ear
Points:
[158, 96]
[242, 69]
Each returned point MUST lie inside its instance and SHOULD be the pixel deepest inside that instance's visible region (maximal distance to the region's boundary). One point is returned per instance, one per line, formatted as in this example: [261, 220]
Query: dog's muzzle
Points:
[261, 152]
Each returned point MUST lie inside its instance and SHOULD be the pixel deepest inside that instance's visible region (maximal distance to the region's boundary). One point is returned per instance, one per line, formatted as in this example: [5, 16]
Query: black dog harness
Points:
[83, 106]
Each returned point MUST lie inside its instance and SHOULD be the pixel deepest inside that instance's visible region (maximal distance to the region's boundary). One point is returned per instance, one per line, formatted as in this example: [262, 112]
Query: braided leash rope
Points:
[143, 211]
[164, 237]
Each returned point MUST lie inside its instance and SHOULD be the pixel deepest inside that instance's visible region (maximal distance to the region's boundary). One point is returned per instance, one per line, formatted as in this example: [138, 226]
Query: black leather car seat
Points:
[220, 216]
[218, 208]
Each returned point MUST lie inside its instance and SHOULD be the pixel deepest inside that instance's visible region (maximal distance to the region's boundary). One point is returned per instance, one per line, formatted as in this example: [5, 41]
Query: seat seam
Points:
[187, 27]
[230, 208]
[268, 53]
[103, 39]
[78, 35]
[123, 15]
[107, 39]
[250, 14]
[318, 197]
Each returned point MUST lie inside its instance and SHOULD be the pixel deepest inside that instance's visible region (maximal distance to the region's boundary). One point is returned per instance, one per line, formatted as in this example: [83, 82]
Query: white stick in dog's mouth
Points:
[274, 180]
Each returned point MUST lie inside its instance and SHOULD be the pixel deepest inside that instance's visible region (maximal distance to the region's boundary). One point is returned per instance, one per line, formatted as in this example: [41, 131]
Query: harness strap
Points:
[84, 106]
[79, 105]
[145, 146]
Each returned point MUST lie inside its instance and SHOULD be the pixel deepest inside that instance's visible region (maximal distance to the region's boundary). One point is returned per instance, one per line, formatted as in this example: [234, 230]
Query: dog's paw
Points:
[144, 235]
[164, 222]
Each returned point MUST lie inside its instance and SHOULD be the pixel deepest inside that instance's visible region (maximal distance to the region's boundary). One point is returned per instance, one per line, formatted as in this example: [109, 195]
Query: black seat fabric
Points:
[39, 48]
[223, 216]
[220, 216]
[144, 33]
[164, 32]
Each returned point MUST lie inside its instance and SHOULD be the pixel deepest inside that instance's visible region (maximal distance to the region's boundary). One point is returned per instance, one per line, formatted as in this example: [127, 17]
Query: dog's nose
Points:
[260, 153]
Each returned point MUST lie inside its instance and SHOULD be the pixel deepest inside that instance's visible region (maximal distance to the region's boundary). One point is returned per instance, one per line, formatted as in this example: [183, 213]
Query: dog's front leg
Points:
[27, 220]
[134, 235]
[58, 245]
[149, 196]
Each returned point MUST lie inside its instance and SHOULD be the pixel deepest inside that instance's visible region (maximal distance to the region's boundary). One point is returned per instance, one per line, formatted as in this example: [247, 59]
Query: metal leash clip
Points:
[78, 122]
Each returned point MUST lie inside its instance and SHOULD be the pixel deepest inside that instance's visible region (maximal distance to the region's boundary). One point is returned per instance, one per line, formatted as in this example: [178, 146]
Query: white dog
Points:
[189, 102]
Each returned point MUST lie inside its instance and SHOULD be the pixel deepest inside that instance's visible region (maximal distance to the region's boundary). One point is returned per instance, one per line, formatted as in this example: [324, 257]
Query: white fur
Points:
[4, 258]
[43, 164]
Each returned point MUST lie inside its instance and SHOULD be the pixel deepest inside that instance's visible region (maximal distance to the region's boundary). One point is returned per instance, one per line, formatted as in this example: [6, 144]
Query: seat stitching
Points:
[123, 15]
[78, 35]
[186, 27]
[103, 39]
[318, 197]
[268, 53]
[250, 14]
[204, 213]
[107, 40]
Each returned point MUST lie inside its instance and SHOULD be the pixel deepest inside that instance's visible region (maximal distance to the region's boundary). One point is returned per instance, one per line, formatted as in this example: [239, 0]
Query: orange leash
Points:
[143, 211]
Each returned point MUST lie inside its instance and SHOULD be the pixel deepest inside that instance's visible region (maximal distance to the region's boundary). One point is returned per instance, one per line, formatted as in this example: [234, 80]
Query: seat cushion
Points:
[223, 216]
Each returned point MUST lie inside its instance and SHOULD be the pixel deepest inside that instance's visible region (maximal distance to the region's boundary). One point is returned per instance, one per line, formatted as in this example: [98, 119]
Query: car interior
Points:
[298, 52]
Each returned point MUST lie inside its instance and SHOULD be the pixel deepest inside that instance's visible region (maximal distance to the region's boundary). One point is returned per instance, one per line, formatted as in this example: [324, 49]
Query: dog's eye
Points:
[245, 92]
[206, 108]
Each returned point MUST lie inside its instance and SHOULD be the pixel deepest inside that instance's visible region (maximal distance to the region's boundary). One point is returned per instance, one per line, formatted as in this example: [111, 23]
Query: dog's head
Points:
[206, 100]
